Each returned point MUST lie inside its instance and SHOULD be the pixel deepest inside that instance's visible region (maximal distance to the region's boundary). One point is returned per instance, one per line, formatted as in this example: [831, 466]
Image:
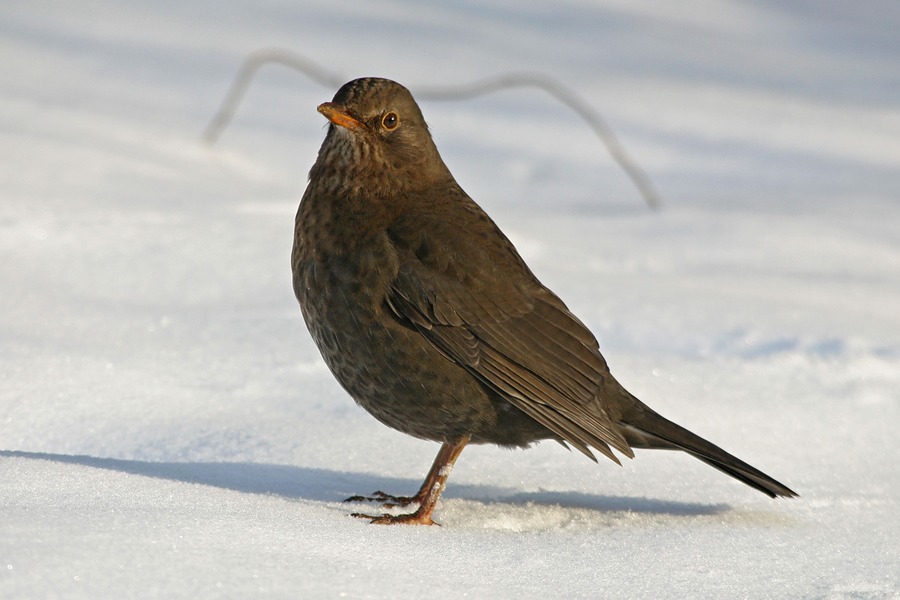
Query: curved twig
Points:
[567, 97]
[554, 88]
[250, 66]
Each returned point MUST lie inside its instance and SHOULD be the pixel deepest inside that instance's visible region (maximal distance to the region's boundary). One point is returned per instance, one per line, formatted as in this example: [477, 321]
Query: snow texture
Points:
[168, 430]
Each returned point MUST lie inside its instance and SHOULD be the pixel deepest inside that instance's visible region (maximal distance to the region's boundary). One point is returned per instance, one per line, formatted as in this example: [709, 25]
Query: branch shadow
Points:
[325, 485]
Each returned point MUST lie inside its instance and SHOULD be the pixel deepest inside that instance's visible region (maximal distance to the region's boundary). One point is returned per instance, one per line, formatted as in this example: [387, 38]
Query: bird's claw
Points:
[385, 500]
[409, 519]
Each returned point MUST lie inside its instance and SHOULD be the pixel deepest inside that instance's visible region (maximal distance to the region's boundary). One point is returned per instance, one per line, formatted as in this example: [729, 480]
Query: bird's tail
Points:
[643, 428]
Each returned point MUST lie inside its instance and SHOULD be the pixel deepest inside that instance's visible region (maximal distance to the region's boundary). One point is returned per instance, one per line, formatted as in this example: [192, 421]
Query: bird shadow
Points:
[326, 485]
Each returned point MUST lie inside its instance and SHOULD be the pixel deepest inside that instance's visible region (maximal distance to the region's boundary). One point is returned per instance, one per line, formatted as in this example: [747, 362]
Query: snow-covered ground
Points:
[167, 429]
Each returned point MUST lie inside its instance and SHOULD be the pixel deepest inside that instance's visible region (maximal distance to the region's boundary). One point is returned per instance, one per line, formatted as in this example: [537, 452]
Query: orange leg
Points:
[428, 494]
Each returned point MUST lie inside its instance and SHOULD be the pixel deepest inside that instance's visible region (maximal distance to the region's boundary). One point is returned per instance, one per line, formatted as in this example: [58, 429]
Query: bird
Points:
[428, 317]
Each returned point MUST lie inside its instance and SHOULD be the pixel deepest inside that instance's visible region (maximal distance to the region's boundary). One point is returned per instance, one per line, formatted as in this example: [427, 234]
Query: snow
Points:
[169, 431]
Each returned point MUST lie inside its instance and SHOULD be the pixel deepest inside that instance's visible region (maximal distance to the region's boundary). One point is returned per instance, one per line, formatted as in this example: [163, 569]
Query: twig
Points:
[248, 69]
[554, 88]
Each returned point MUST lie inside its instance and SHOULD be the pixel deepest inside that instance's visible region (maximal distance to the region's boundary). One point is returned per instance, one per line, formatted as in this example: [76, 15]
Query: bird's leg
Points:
[428, 494]
[389, 501]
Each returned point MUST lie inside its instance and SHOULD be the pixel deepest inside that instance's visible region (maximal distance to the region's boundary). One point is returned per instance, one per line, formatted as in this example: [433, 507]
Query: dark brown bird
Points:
[429, 318]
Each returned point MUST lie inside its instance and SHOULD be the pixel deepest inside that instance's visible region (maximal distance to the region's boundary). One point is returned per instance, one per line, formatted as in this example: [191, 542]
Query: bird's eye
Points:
[390, 121]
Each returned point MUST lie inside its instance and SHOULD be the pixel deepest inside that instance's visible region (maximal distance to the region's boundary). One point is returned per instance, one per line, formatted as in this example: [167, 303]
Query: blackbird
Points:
[429, 318]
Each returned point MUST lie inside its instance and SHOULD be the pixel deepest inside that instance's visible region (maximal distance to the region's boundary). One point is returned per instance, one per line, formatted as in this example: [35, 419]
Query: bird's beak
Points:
[338, 115]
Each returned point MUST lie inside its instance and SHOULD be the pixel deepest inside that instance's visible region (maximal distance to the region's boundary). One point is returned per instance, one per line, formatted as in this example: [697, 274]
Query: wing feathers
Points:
[483, 308]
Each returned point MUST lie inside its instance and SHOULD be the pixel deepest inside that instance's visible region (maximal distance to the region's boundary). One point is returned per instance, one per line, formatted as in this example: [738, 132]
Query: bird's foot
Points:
[385, 500]
[410, 519]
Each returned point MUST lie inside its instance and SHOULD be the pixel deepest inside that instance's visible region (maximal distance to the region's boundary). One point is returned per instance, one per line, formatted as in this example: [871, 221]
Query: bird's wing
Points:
[464, 287]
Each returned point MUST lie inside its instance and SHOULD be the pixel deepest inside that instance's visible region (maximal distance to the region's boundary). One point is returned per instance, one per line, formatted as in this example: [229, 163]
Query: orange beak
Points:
[338, 115]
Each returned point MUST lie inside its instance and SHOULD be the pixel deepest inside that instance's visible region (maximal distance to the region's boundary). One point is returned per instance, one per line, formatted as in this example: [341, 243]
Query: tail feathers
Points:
[646, 429]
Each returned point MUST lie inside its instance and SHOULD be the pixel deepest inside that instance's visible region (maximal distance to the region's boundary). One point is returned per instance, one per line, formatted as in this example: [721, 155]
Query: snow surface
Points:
[169, 431]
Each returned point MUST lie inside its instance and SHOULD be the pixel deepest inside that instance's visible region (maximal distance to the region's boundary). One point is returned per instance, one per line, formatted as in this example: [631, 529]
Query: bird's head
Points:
[378, 134]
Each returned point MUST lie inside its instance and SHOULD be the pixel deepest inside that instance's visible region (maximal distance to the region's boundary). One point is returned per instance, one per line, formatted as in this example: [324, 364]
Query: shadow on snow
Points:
[324, 485]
